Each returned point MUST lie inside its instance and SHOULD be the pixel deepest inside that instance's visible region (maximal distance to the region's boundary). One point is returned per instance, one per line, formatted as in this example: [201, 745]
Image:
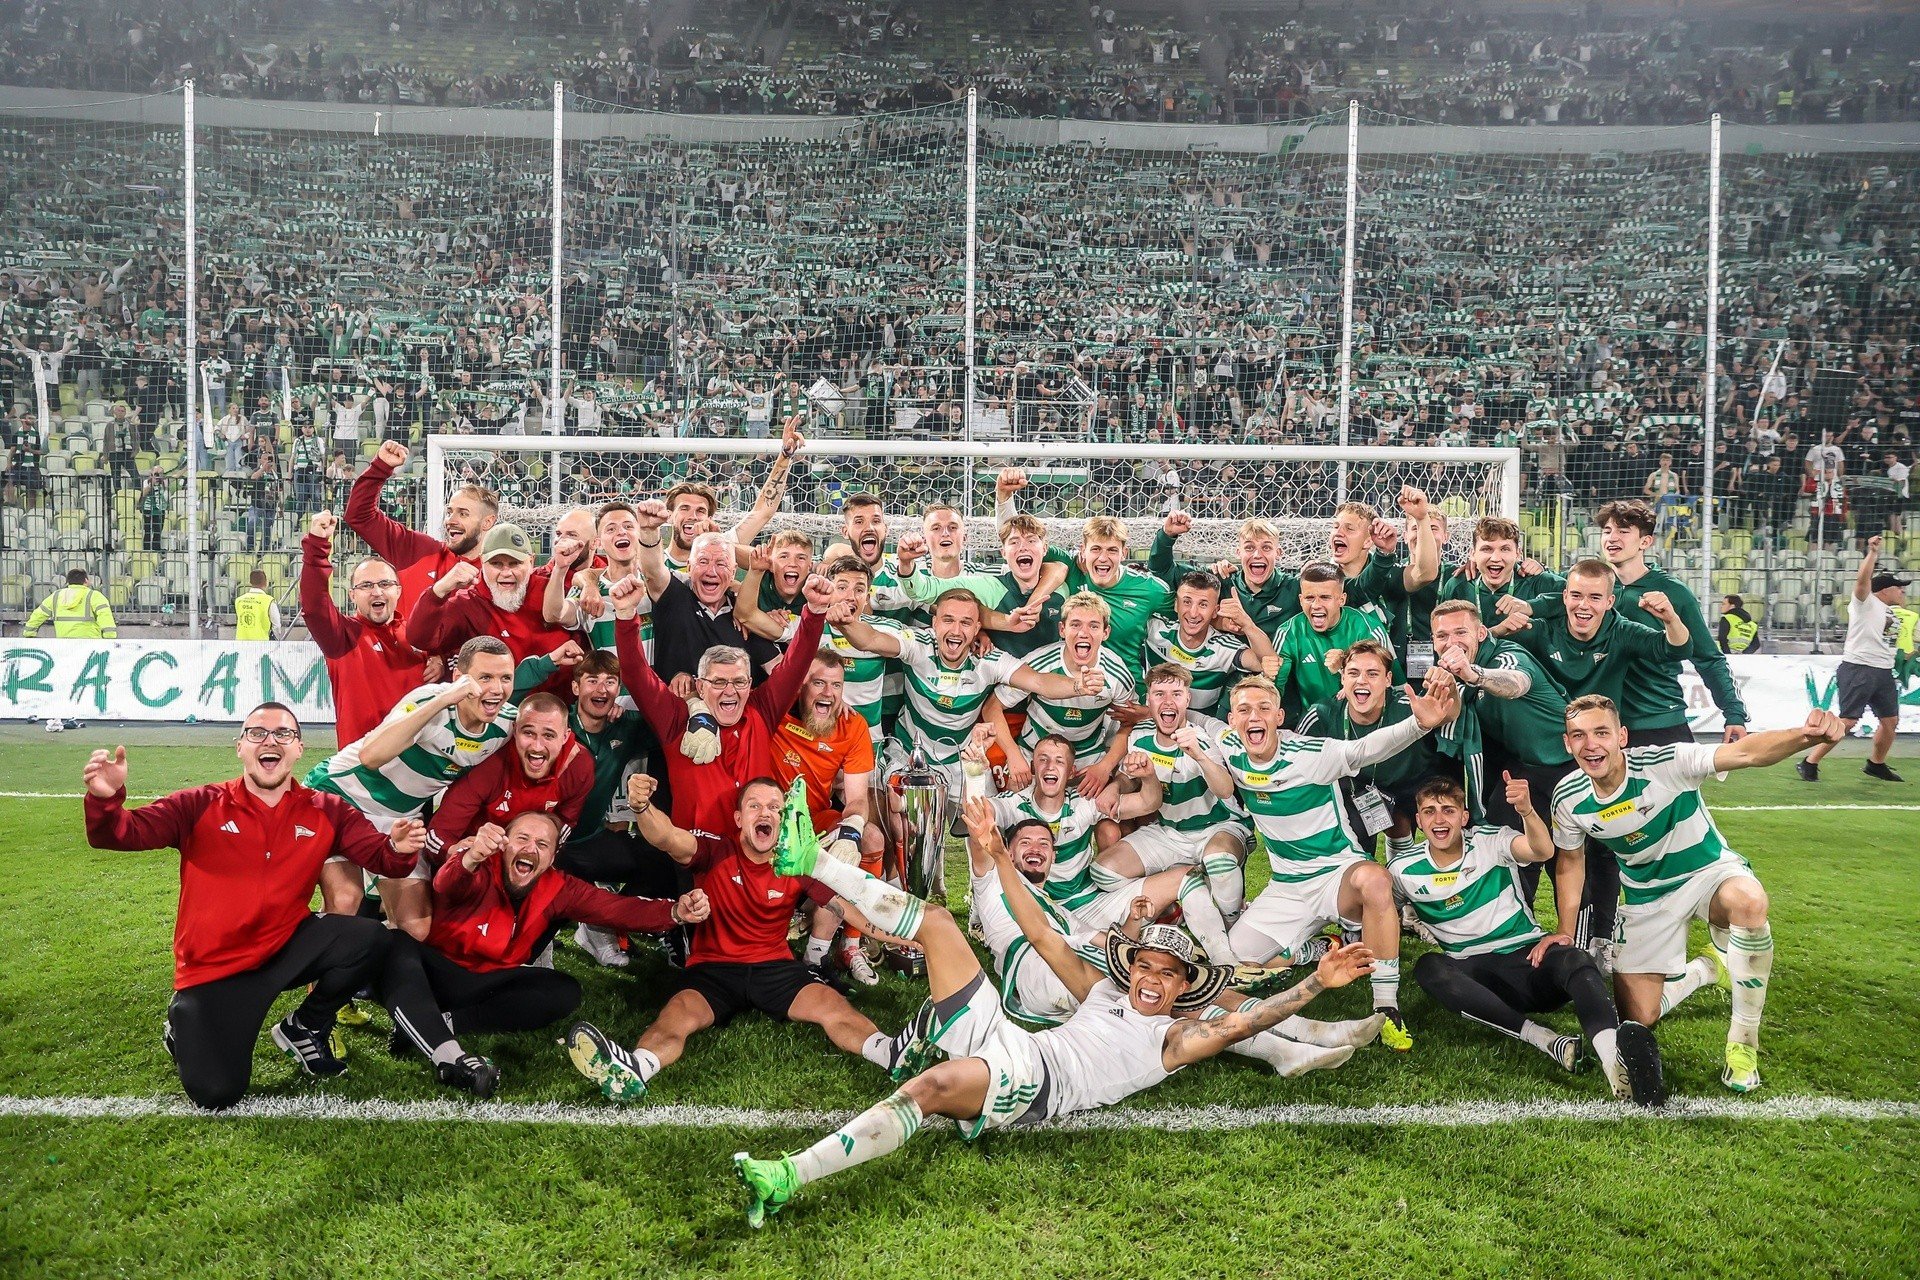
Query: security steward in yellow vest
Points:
[77, 612]
[255, 614]
[1739, 633]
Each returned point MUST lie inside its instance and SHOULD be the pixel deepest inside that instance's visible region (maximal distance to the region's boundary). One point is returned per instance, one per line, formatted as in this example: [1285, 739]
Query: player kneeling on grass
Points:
[1495, 964]
[1129, 1033]
[497, 901]
[739, 958]
[1644, 805]
[250, 857]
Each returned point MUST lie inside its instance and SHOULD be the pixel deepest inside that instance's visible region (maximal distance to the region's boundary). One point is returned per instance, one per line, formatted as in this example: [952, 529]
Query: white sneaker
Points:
[544, 960]
[1602, 952]
[859, 968]
[600, 944]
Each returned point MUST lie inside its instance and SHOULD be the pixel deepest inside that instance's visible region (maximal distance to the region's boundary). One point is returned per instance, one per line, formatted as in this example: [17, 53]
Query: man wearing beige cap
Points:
[500, 598]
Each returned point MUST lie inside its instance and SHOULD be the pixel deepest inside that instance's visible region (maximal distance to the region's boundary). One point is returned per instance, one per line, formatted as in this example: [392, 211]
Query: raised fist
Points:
[640, 789]
[1176, 523]
[568, 655]
[393, 453]
[322, 525]
[819, 593]
[460, 575]
[651, 514]
[106, 773]
[1657, 604]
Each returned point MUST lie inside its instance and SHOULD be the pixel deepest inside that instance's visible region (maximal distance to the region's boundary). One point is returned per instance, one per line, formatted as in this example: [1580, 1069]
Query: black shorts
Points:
[1667, 737]
[1867, 688]
[729, 989]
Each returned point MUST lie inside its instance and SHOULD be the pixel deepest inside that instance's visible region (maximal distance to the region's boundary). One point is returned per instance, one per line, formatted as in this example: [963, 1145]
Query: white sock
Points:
[1290, 1057]
[879, 1130]
[1749, 964]
[817, 949]
[446, 1051]
[1386, 983]
[1227, 880]
[1700, 972]
[645, 1061]
[878, 1050]
[1331, 1035]
[892, 910]
[1399, 846]
[1203, 919]
[1539, 1037]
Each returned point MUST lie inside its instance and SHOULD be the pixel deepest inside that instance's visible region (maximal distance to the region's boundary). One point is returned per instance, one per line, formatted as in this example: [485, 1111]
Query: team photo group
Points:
[1192, 797]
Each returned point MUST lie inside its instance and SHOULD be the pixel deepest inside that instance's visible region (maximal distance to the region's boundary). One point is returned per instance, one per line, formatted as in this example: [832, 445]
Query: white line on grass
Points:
[1718, 808]
[1216, 1119]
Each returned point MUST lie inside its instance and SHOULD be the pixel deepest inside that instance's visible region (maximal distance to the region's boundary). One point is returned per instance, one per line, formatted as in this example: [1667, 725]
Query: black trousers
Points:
[211, 1028]
[1541, 780]
[425, 992]
[1502, 988]
[624, 859]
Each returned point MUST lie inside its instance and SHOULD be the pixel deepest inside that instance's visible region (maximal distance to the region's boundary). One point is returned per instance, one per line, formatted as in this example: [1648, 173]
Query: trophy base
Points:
[910, 964]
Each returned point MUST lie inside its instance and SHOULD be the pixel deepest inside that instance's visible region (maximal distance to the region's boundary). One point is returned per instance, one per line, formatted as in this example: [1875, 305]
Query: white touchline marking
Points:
[1212, 1119]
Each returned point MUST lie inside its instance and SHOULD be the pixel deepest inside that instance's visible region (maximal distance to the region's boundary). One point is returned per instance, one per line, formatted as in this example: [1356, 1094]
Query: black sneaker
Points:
[676, 942]
[1640, 1062]
[308, 1049]
[1808, 771]
[470, 1072]
[1882, 772]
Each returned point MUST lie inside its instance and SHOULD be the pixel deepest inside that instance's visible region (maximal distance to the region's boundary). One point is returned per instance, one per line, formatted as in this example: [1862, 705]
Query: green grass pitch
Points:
[86, 940]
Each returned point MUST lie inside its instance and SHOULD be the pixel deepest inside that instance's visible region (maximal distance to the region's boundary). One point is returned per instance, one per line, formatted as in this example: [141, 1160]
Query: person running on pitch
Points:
[243, 932]
[1644, 805]
[1495, 964]
[1129, 1033]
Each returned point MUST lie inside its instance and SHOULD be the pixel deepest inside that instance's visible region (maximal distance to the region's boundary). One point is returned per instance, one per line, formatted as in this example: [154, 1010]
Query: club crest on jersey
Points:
[300, 831]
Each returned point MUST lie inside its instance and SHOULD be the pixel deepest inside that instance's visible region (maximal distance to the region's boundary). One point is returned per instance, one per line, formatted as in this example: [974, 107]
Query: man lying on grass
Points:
[250, 856]
[1122, 1039]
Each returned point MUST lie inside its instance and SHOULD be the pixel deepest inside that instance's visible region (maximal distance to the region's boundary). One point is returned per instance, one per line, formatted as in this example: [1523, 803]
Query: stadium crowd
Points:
[724, 742]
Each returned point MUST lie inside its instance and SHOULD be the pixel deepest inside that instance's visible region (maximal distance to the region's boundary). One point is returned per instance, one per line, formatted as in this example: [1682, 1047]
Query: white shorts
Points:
[981, 1029]
[1286, 915]
[1160, 847]
[1031, 991]
[1651, 937]
[1109, 909]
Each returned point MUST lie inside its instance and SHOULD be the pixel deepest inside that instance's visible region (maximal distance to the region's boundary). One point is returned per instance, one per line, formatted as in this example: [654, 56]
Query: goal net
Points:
[1297, 489]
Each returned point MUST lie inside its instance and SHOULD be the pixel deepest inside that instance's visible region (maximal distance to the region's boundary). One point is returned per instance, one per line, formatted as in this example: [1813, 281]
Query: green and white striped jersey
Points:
[1186, 802]
[1475, 906]
[1081, 721]
[1214, 666]
[1070, 883]
[598, 632]
[1029, 990]
[1656, 824]
[866, 674]
[943, 703]
[1294, 801]
[407, 784]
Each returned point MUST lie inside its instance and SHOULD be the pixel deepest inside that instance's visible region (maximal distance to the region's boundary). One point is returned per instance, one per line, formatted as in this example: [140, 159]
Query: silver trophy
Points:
[918, 813]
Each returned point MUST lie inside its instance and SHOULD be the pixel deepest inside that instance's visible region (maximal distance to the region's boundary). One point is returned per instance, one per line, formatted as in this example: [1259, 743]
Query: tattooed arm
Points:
[1194, 1039]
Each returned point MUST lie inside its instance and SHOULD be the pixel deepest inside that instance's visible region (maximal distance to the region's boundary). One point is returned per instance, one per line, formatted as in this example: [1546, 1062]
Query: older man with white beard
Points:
[501, 598]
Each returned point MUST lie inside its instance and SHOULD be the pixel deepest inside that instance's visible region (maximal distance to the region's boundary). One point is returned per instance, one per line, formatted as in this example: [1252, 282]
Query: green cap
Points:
[506, 540]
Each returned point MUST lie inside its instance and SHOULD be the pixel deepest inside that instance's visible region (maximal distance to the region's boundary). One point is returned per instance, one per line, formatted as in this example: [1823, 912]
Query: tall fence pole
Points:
[555, 405]
[1346, 290]
[193, 426]
[1712, 392]
[966, 325]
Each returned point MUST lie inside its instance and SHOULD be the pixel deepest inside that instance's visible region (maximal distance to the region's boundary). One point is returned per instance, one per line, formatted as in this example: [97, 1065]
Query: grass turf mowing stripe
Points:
[1218, 1119]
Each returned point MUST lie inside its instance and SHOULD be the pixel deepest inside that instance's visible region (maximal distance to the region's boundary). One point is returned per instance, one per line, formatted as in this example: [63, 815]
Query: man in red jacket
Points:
[496, 902]
[545, 770]
[711, 752]
[501, 598]
[250, 855]
[420, 558]
[370, 662]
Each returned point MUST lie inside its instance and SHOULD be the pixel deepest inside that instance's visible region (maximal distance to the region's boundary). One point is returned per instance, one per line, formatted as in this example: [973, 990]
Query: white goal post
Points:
[540, 476]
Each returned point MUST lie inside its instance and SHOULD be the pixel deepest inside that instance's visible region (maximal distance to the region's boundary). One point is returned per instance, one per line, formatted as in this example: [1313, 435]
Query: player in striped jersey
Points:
[1290, 786]
[438, 732]
[1496, 964]
[1084, 721]
[947, 684]
[1192, 827]
[863, 533]
[867, 673]
[1073, 820]
[1194, 639]
[583, 607]
[1644, 804]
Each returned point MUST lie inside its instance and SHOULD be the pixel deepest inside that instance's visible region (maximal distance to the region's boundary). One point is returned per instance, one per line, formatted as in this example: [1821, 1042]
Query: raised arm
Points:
[391, 540]
[1657, 606]
[777, 692]
[436, 615]
[774, 488]
[653, 824]
[331, 630]
[882, 643]
[1863, 581]
[1423, 548]
[746, 598]
[111, 825]
[397, 733]
[666, 713]
[652, 517]
[1219, 780]
[1074, 973]
[1771, 746]
[1535, 843]
[1057, 686]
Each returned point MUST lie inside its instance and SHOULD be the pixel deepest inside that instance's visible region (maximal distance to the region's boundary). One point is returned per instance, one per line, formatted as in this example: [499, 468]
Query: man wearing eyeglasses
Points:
[250, 855]
[370, 662]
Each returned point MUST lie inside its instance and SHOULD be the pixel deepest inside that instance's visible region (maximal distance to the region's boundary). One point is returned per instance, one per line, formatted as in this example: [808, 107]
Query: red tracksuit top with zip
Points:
[497, 790]
[478, 925]
[247, 870]
[418, 558]
[370, 667]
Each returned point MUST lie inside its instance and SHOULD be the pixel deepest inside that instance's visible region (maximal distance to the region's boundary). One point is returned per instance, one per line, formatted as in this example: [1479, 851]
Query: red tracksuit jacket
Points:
[418, 558]
[497, 790]
[247, 871]
[371, 667]
[479, 926]
[441, 626]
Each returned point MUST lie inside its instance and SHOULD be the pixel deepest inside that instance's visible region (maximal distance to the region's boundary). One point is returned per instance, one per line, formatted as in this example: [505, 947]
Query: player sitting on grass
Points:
[1129, 1033]
[497, 900]
[1291, 787]
[1644, 805]
[1495, 964]
[250, 857]
[739, 959]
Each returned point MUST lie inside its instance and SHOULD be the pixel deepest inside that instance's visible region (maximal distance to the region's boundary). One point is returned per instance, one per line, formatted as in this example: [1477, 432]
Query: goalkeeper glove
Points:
[700, 742]
[845, 845]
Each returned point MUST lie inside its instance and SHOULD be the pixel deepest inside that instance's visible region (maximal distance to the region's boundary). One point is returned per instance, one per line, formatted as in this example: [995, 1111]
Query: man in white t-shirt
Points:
[1865, 675]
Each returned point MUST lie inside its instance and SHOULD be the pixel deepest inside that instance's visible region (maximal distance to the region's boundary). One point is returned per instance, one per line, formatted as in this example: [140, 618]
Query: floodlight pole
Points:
[193, 426]
[1711, 406]
[556, 408]
[1346, 291]
[966, 326]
